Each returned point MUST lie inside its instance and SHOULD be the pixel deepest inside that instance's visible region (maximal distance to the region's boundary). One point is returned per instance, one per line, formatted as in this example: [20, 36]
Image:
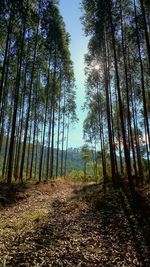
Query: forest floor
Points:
[66, 224]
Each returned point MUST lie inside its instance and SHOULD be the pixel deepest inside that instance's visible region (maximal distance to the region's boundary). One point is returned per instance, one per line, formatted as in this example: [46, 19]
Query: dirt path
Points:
[78, 226]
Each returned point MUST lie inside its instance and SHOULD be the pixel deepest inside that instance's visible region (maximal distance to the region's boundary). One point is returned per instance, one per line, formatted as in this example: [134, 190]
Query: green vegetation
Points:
[25, 218]
[76, 160]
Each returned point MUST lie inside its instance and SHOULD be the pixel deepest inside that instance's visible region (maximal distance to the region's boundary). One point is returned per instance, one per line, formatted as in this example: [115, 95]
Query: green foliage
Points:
[86, 153]
[76, 176]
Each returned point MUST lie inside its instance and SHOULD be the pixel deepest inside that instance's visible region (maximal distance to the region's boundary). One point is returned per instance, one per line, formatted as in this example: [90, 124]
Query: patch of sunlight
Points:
[24, 223]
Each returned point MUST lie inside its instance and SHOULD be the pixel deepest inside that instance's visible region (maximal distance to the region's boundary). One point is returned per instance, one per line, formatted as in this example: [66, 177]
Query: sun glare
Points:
[97, 67]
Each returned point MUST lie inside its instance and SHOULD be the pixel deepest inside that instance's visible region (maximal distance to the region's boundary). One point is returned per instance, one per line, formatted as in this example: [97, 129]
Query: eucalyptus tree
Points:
[142, 73]
[99, 78]
[7, 14]
[68, 101]
[120, 44]
[57, 47]
[36, 76]
[99, 26]
[71, 118]
[20, 47]
[36, 43]
[145, 6]
[95, 121]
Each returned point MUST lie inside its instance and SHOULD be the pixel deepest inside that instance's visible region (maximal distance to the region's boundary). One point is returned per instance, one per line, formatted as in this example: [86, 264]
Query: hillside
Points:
[74, 161]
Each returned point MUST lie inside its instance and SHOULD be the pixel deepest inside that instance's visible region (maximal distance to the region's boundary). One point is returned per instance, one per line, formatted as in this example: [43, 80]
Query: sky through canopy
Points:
[70, 10]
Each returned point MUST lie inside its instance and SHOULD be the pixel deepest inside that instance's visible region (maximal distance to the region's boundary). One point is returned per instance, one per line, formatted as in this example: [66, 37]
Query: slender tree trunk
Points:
[103, 156]
[124, 51]
[53, 115]
[33, 148]
[113, 133]
[34, 135]
[67, 142]
[106, 77]
[29, 106]
[2, 133]
[101, 132]
[6, 150]
[142, 76]
[3, 105]
[16, 99]
[135, 122]
[28, 152]
[146, 30]
[43, 164]
[96, 162]
[126, 150]
[43, 141]
[85, 163]
[48, 148]
[17, 145]
[119, 137]
[63, 137]
[5, 59]
[134, 116]
[52, 143]
[36, 155]
[17, 165]
[58, 139]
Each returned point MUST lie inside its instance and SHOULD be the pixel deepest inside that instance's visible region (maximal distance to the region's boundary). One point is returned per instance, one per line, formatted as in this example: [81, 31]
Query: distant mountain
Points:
[72, 158]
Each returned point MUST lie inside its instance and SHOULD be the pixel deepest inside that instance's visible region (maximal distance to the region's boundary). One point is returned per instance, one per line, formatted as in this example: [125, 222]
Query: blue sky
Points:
[70, 10]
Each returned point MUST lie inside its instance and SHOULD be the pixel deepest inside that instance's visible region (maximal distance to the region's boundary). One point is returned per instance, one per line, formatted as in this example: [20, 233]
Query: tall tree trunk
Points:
[48, 148]
[106, 82]
[17, 145]
[142, 76]
[124, 51]
[53, 115]
[126, 150]
[6, 150]
[63, 136]
[34, 132]
[16, 100]
[28, 152]
[5, 59]
[134, 119]
[52, 143]
[29, 105]
[36, 154]
[58, 139]
[4, 101]
[146, 30]
[43, 141]
[2, 132]
[101, 131]
[67, 142]
[16, 172]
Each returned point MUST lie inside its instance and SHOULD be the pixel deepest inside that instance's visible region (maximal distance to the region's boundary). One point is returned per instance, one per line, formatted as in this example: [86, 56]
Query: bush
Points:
[76, 176]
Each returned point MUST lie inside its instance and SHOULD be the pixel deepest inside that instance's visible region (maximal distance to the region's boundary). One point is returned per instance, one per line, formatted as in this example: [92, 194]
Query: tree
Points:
[118, 42]
[86, 156]
[36, 75]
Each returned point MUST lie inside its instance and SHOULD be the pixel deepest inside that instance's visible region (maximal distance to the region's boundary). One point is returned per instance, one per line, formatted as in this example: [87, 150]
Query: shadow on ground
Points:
[122, 213]
[92, 228]
[10, 194]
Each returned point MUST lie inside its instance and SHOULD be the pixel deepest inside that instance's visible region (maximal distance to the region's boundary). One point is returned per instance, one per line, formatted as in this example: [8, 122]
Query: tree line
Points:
[118, 86]
[37, 97]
